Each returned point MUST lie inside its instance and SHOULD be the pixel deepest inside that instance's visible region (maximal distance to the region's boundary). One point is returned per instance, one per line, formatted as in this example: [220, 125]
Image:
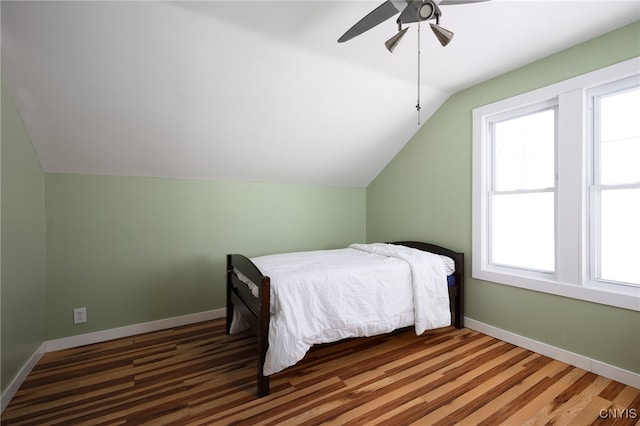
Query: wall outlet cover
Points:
[79, 315]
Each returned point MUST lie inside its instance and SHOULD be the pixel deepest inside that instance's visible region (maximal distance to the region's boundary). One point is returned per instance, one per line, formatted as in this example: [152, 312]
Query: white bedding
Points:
[363, 290]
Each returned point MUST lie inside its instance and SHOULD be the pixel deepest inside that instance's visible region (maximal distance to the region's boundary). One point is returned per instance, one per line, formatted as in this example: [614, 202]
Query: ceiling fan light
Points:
[426, 11]
[393, 41]
[443, 35]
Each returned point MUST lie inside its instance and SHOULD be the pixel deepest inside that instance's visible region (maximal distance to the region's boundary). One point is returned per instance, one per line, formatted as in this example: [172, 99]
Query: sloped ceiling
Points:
[257, 90]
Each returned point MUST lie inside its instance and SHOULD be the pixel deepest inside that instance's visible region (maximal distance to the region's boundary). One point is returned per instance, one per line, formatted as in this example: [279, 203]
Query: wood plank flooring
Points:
[198, 375]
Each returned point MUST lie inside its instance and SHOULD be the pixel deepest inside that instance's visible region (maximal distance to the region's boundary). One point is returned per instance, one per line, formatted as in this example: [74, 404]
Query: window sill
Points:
[619, 296]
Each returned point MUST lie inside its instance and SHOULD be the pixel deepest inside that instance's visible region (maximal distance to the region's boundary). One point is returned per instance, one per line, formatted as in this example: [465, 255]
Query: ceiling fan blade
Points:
[452, 2]
[380, 14]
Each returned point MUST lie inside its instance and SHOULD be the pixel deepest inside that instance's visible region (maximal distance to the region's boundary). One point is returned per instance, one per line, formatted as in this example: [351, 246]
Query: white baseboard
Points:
[102, 336]
[20, 377]
[593, 365]
[132, 330]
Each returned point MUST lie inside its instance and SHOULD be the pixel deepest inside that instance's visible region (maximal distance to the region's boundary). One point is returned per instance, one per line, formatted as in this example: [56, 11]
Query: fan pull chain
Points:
[418, 104]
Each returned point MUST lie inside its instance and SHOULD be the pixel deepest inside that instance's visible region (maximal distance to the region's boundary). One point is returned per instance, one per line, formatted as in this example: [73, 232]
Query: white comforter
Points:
[363, 290]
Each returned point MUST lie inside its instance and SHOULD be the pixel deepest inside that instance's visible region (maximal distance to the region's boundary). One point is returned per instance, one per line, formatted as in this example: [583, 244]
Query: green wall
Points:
[22, 285]
[425, 194]
[133, 250]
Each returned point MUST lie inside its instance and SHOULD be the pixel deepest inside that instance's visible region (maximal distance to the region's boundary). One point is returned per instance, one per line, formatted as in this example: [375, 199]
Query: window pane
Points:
[523, 230]
[620, 161]
[524, 152]
[620, 235]
[620, 138]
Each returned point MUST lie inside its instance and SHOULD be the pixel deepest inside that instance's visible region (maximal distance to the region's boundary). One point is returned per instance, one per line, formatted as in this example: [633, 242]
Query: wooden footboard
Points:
[256, 310]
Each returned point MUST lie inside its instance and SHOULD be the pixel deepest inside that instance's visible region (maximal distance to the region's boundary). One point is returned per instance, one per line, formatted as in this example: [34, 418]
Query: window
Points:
[556, 188]
[522, 198]
[615, 190]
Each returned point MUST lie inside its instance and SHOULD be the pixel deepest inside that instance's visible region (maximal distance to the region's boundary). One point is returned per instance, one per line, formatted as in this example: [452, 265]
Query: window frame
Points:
[572, 277]
[491, 183]
[595, 185]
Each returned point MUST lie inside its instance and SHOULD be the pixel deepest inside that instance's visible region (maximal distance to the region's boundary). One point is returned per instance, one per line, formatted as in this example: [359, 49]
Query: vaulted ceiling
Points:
[257, 90]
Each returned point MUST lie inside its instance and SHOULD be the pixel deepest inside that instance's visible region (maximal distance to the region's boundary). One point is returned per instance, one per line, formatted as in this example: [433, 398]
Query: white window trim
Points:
[570, 282]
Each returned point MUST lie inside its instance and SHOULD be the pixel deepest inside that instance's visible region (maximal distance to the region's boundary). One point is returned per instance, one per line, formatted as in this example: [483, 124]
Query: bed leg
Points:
[229, 285]
[263, 381]
[263, 335]
[459, 302]
[458, 316]
[263, 386]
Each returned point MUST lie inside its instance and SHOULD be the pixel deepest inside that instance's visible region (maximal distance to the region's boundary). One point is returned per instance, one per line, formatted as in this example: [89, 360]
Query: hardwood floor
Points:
[198, 375]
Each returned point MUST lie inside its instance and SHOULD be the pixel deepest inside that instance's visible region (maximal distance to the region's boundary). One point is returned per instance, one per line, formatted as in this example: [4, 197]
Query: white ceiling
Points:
[261, 90]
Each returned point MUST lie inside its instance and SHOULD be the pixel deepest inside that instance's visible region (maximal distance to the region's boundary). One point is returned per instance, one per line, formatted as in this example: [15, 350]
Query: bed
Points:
[324, 299]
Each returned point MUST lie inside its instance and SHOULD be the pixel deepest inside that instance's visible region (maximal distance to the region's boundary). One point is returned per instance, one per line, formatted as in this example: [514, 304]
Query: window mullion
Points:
[571, 188]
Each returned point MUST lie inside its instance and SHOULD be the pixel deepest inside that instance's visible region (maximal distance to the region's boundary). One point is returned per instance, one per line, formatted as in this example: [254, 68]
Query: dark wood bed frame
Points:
[255, 310]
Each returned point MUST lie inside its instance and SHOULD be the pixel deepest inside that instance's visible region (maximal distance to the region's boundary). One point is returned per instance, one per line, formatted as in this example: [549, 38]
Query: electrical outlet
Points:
[79, 315]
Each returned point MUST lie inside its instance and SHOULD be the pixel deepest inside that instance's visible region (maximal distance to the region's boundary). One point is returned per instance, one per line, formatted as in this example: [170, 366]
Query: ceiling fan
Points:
[410, 11]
